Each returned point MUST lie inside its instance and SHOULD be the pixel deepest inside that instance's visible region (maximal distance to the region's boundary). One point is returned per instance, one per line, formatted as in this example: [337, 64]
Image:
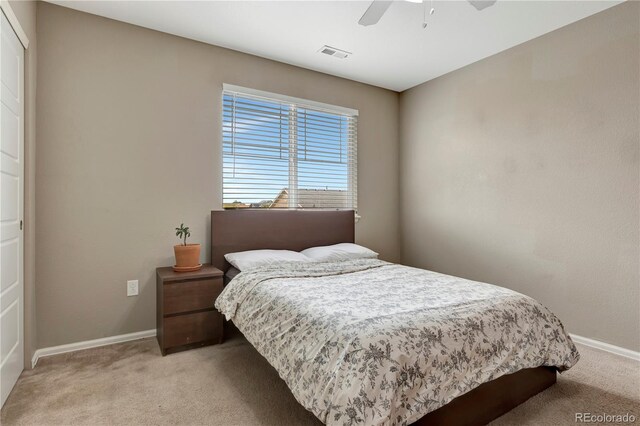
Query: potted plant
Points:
[187, 255]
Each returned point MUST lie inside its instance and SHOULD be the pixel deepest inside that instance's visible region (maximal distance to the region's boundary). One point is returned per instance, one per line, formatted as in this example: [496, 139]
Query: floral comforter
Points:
[370, 342]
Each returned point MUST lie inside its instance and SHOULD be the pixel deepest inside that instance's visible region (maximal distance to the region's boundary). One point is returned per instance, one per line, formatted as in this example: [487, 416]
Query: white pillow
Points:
[337, 252]
[253, 258]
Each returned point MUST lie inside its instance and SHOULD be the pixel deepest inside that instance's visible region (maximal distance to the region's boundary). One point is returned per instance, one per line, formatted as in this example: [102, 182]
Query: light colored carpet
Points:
[231, 384]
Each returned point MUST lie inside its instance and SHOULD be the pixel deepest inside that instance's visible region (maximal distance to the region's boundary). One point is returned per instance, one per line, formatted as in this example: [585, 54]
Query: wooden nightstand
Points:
[185, 315]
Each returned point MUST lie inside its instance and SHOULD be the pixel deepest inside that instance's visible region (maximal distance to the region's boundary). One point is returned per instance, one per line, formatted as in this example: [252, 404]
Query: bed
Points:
[370, 342]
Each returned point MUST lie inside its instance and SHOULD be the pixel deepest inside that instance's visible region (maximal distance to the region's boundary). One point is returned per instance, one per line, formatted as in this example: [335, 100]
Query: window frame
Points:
[295, 105]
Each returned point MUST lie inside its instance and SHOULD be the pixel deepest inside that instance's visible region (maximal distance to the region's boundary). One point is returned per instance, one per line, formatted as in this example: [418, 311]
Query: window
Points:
[281, 152]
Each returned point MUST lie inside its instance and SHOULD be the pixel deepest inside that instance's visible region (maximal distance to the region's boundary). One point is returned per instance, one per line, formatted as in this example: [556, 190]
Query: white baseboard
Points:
[87, 344]
[616, 350]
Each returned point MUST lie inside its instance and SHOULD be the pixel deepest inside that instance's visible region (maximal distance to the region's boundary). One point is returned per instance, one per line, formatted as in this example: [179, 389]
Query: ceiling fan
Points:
[377, 8]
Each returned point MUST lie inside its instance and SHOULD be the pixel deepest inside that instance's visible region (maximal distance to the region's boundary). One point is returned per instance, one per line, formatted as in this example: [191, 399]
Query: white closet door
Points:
[11, 205]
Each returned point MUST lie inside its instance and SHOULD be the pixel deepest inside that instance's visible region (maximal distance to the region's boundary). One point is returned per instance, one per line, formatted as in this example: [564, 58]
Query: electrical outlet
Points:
[132, 288]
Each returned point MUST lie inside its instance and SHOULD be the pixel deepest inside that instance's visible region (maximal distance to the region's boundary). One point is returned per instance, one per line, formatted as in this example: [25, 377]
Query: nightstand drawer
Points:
[187, 329]
[194, 295]
[185, 313]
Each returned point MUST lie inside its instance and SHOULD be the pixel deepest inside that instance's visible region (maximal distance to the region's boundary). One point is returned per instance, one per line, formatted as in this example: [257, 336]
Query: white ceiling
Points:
[395, 54]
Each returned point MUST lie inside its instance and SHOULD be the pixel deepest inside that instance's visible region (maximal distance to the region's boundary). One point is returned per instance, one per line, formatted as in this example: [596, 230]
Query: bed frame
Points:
[240, 230]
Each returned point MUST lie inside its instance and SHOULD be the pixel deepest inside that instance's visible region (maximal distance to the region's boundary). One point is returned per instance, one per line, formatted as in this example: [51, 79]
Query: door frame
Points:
[15, 24]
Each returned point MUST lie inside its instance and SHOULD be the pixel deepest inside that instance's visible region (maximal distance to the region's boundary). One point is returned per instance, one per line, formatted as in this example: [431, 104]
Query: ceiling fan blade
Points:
[374, 12]
[482, 4]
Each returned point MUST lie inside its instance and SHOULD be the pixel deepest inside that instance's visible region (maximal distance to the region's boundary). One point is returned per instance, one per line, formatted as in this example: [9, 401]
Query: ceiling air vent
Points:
[332, 51]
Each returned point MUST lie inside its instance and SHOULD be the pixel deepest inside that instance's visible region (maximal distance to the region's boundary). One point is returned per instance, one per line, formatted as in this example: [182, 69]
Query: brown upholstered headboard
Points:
[240, 230]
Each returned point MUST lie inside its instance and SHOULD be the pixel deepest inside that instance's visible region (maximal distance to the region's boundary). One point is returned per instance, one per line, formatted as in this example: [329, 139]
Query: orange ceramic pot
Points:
[187, 256]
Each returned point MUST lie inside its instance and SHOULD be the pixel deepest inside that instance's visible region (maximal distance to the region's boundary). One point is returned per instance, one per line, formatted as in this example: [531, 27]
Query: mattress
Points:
[376, 343]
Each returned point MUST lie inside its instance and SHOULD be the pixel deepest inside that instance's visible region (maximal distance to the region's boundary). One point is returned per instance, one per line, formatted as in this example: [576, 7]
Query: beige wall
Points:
[522, 170]
[25, 11]
[129, 146]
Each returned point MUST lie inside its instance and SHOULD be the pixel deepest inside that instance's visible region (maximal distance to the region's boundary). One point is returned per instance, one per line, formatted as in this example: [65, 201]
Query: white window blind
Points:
[281, 152]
